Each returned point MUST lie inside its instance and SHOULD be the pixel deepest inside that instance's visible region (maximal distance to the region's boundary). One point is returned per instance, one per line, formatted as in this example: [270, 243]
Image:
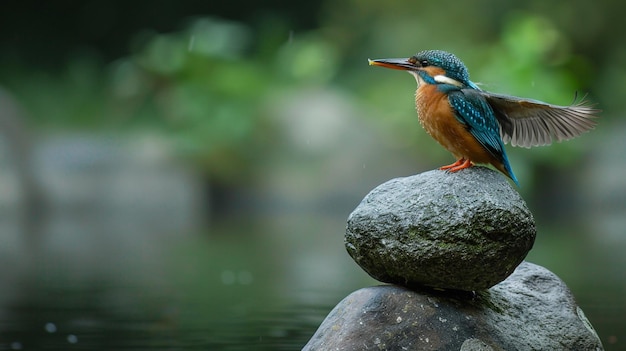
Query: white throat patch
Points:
[447, 80]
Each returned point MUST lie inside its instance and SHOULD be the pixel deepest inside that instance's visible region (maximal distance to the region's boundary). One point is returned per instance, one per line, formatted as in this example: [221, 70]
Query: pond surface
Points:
[260, 285]
[102, 316]
[256, 285]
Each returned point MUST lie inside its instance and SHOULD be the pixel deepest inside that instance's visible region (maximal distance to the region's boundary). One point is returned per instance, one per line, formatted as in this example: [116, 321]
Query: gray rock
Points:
[466, 230]
[531, 310]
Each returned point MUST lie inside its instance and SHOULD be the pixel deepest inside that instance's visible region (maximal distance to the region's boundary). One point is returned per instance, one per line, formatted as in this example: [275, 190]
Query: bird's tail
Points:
[505, 168]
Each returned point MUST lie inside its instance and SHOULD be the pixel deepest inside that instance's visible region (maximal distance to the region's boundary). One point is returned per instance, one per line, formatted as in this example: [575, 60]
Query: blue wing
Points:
[473, 111]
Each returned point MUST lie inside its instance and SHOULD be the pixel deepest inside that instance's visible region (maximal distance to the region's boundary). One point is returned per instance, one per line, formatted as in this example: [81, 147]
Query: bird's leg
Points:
[454, 165]
[465, 164]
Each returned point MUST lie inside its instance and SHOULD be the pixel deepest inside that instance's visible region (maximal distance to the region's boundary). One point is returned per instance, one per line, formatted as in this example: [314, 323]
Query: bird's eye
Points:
[424, 63]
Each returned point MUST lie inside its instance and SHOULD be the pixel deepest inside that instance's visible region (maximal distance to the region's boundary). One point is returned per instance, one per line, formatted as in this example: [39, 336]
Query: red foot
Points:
[458, 165]
[455, 164]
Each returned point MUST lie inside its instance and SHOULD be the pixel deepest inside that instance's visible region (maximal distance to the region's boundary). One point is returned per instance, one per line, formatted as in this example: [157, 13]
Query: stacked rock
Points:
[465, 231]
[447, 241]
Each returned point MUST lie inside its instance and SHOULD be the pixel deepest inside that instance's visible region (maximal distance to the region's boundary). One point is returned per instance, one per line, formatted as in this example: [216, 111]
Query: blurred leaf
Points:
[211, 37]
[165, 54]
[308, 58]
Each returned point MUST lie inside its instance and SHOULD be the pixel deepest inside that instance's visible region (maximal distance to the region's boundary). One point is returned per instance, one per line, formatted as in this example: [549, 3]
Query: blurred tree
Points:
[200, 87]
[48, 34]
[205, 85]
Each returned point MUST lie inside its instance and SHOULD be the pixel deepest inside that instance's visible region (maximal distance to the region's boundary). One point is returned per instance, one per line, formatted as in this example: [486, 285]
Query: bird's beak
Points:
[401, 64]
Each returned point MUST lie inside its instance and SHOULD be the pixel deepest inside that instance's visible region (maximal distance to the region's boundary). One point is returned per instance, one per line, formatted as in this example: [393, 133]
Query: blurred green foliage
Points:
[200, 88]
[206, 87]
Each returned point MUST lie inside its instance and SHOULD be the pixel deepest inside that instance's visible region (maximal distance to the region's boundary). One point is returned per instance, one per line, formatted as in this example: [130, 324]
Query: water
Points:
[109, 317]
[263, 284]
[260, 285]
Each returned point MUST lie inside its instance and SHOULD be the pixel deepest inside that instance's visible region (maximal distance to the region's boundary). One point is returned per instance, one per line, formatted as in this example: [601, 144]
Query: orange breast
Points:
[438, 119]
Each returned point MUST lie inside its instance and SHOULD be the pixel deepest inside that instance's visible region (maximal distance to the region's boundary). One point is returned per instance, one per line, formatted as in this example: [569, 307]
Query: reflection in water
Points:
[257, 285]
[100, 327]
[217, 291]
[118, 267]
[212, 293]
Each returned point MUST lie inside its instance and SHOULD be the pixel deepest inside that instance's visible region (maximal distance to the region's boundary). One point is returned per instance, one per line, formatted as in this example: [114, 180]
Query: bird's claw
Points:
[457, 166]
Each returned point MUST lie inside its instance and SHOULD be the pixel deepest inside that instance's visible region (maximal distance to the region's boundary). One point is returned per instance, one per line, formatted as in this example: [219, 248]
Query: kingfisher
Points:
[474, 124]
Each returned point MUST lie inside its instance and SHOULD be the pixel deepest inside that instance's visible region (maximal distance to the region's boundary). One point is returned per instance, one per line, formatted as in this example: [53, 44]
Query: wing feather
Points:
[526, 123]
[473, 111]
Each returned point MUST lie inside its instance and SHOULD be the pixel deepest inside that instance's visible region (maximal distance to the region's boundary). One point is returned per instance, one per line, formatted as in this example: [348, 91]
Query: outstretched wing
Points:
[526, 123]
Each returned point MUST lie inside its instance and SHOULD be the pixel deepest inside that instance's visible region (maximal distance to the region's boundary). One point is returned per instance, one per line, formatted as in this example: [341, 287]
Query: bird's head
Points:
[431, 67]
